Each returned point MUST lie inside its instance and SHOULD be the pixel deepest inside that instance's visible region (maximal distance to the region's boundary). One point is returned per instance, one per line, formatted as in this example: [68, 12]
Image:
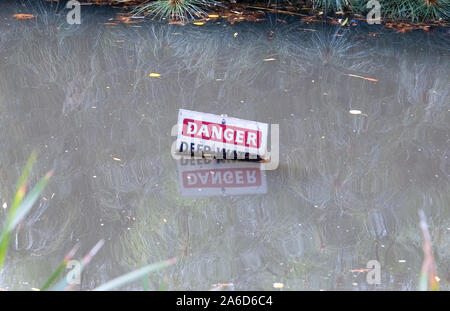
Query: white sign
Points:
[220, 136]
[210, 177]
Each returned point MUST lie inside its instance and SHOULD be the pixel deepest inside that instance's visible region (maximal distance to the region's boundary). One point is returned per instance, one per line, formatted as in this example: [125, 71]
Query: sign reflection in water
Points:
[210, 177]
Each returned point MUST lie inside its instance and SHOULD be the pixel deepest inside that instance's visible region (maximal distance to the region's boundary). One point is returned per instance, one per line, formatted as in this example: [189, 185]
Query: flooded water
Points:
[347, 189]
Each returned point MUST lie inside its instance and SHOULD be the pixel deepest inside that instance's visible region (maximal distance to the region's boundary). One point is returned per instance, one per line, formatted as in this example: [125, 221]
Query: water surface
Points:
[346, 191]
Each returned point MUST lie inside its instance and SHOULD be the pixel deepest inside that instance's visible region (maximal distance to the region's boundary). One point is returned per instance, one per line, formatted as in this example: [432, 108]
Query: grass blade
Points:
[145, 283]
[26, 171]
[60, 268]
[63, 284]
[29, 201]
[428, 279]
[163, 286]
[18, 197]
[134, 275]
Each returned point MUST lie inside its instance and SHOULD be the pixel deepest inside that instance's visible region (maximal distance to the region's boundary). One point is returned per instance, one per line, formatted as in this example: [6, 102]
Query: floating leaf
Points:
[278, 285]
[154, 75]
[354, 111]
[23, 17]
[361, 77]
[360, 270]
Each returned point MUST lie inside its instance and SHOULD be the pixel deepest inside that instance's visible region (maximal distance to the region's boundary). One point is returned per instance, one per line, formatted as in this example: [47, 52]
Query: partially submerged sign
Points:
[222, 137]
[210, 177]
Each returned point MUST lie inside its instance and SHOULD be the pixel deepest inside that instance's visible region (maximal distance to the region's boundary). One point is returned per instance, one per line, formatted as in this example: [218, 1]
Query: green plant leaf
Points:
[423, 282]
[60, 268]
[15, 206]
[145, 283]
[29, 201]
[134, 275]
[63, 284]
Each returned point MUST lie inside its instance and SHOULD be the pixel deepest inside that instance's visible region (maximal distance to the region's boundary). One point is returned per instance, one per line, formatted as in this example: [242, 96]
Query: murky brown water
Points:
[347, 189]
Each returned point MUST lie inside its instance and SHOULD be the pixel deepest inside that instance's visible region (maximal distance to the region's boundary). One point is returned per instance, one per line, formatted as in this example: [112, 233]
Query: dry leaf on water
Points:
[23, 17]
